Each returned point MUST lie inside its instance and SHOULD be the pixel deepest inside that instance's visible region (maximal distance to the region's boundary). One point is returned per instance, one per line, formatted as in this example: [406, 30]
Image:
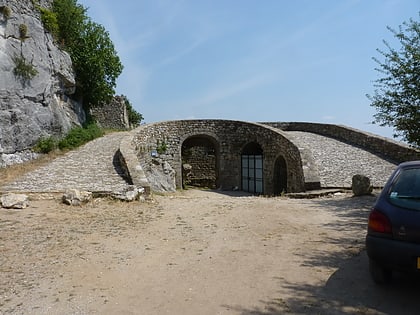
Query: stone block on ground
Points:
[14, 201]
[129, 193]
[74, 197]
[360, 185]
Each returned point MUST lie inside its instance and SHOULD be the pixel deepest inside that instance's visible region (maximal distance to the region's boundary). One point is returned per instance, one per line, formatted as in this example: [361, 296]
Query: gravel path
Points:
[92, 167]
[195, 252]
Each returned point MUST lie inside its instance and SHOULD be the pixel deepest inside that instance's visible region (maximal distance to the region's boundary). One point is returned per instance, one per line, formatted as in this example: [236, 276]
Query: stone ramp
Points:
[92, 167]
[336, 162]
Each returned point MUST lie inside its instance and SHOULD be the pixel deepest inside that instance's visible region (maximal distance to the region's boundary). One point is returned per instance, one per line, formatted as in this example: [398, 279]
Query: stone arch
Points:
[200, 158]
[280, 176]
[228, 138]
[252, 168]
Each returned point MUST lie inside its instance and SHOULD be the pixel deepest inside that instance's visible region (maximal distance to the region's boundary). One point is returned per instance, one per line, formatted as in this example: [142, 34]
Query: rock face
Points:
[38, 106]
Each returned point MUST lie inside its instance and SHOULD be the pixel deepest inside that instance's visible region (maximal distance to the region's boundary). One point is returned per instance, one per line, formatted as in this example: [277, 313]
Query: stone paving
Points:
[337, 161]
[92, 167]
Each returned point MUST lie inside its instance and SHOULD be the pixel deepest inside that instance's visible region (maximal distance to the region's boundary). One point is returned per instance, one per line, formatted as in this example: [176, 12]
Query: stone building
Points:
[220, 154]
[261, 158]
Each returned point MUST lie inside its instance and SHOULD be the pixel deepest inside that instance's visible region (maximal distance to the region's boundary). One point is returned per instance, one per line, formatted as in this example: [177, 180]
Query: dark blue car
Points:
[393, 238]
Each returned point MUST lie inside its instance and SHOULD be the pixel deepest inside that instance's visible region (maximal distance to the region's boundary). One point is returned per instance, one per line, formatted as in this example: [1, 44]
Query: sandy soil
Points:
[194, 252]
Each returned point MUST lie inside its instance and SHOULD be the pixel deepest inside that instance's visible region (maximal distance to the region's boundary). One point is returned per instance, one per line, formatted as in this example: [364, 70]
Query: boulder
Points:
[14, 201]
[160, 175]
[360, 185]
[74, 197]
[130, 193]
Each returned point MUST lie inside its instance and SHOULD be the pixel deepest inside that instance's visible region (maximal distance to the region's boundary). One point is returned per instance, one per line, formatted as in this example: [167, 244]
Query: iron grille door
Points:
[252, 173]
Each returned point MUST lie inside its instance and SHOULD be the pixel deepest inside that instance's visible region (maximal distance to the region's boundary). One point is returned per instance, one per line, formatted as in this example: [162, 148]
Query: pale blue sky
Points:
[251, 60]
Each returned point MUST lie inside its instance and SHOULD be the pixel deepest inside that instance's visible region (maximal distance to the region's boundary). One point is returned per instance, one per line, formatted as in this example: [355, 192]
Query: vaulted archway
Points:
[280, 176]
[200, 162]
[252, 168]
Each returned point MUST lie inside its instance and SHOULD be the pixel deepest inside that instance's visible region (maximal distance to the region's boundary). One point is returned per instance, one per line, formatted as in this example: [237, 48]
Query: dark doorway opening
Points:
[200, 162]
[252, 168]
[280, 176]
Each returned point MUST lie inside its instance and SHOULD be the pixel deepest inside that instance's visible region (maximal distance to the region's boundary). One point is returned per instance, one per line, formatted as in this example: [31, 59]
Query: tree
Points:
[96, 64]
[134, 117]
[397, 93]
[95, 61]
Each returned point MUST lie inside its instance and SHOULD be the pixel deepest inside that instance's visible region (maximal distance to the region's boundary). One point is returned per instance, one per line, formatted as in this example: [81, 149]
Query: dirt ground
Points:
[194, 252]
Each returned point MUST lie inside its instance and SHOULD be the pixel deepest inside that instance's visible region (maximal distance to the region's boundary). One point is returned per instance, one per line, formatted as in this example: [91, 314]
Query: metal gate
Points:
[252, 173]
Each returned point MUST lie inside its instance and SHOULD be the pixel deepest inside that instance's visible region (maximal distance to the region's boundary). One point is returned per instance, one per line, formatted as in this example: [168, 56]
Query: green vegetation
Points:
[75, 138]
[79, 136]
[397, 93]
[161, 147]
[95, 61]
[6, 11]
[134, 117]
[45, 145]
[49, 20]
[23, 32]
[23, 69]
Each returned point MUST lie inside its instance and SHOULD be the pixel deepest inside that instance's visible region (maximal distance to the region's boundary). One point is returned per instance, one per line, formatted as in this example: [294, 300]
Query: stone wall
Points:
[112, 115]
[384, 147]
[199, 167]
[230, 137]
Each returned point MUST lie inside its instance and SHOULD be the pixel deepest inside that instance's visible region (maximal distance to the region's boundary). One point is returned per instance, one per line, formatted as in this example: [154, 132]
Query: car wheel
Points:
[378, 273]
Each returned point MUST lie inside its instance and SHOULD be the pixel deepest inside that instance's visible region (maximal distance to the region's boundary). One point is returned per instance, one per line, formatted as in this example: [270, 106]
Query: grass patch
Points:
[75, 138]
[45, 145]
[79, 136]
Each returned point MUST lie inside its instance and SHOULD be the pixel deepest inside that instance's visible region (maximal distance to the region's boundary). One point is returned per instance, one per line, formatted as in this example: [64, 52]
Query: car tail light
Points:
[379, 222]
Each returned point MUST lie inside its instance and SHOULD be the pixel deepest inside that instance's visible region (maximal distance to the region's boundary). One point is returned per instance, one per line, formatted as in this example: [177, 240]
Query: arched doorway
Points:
[252, 168]
[280, 176]
[200, 162]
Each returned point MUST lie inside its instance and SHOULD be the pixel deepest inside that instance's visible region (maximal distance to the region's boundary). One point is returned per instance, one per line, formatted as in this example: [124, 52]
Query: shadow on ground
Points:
[349, 290]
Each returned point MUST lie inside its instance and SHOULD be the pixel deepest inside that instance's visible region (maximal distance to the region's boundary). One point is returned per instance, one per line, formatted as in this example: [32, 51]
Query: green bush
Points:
[50, 22]
[23, 69]
[161, 147]
[79, 136]
[23, 31]
[45, 145]
[6, 12]
[134, 117]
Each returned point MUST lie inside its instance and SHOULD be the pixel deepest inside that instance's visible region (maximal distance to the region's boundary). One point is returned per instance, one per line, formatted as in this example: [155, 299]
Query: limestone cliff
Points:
[39, 104]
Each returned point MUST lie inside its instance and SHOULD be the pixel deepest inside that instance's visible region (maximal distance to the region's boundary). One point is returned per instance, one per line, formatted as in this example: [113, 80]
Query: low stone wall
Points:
[156, 160]
[112, 115]
[131, 165]
[388, 149]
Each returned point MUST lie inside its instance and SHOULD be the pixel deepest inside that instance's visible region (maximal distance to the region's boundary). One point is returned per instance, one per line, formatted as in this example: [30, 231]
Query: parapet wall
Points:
[112, 115]
[384, 147]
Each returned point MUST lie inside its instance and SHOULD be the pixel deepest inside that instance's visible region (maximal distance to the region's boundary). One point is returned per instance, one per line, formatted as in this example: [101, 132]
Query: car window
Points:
[405, 191]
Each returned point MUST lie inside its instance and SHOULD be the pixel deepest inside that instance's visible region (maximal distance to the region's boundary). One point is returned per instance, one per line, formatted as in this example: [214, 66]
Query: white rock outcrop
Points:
[40, 106]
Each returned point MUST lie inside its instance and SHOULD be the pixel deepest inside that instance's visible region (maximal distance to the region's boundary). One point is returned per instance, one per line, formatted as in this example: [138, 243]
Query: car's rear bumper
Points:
[392, 254]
